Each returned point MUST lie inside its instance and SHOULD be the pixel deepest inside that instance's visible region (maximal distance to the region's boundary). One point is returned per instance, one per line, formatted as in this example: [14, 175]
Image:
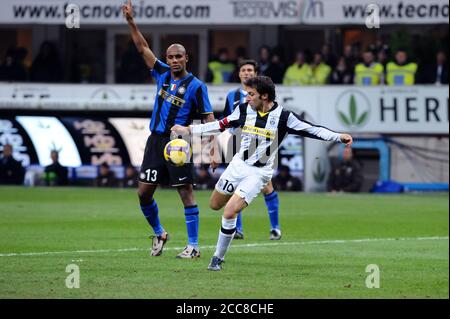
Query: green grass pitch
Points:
[328, 240]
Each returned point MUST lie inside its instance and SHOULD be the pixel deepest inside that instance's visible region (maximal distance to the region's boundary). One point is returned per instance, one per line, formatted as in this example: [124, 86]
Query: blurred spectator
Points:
[204, 179]
[299, 73]
[11, 170]
[131, 177]
[382, 58]
[82, 69]
[132, 68]
[328, 57]
[350, 57]
[401, 71]
[369, 72]
[381, 51]
[106, 177]
[13, 68]
[220, 68]
[346, 175]
[263, 59]
[341, 74]
[284, 181]
[55, 174]
[380, 46]
[275, 71]
[46, 66]
[321, 71]
[437, 73]
[241, 55]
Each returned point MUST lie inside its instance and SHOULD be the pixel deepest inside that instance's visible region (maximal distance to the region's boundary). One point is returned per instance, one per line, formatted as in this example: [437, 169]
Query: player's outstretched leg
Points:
[191, 215]
[149, 208]
[239, 228]
[227, 230]
[272, 203]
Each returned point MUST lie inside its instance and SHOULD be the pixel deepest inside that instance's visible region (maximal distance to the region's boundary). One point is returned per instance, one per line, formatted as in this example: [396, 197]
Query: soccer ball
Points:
[178, 152]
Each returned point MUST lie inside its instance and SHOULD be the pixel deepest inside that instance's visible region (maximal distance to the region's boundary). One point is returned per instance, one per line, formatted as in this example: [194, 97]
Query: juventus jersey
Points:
[262, 133]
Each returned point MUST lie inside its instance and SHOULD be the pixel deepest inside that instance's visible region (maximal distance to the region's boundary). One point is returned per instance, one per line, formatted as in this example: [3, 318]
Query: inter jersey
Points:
[177, 101]
[234, 98]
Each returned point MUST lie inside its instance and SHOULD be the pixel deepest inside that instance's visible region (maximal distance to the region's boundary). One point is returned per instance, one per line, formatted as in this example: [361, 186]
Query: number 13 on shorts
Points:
[151, 175]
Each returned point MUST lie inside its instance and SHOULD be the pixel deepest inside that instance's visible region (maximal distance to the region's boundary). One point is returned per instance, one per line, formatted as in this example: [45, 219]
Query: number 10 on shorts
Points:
[228, 187]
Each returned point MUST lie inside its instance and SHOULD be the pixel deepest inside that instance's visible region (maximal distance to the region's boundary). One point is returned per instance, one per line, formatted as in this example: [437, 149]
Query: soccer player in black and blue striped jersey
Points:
[180, 97]
[249, 69]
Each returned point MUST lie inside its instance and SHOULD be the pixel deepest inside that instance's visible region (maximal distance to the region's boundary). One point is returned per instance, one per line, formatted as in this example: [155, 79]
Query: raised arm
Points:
[138, 39]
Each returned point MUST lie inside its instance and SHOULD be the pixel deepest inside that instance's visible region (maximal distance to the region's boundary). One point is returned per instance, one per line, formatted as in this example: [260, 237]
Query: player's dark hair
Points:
[249, 62]
[263, 85]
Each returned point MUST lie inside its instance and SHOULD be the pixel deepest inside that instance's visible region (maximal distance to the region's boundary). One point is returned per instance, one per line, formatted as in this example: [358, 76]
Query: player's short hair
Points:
[104, 165]
[263, 85]
[250, 62]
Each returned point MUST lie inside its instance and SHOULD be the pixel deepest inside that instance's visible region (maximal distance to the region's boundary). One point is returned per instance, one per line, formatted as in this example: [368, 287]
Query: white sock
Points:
[226, 234]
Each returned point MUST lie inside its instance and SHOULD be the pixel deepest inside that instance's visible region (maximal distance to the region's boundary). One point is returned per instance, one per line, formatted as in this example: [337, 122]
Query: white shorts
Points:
[243, 180]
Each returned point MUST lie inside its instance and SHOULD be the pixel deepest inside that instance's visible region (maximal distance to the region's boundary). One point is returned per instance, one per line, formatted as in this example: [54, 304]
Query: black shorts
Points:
[156, 170]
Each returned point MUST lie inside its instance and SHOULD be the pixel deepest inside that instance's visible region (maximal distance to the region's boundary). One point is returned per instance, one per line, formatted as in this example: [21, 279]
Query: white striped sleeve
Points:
[300, 127]
[216, 127]
[210, 127]
[234, 117]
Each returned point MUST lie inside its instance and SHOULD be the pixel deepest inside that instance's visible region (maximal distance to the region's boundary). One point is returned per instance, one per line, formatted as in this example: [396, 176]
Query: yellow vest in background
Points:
[400, 74]
[298, 76]
[371, 75]
[321, 73]
[221, 71]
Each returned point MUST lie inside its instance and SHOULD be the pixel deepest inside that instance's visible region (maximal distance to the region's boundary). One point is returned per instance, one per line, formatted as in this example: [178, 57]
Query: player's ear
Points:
[265, 96]
[187, 57]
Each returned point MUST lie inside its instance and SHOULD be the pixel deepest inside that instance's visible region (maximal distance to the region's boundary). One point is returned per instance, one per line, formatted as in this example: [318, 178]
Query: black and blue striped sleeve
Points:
[159, 69]
[202, 100]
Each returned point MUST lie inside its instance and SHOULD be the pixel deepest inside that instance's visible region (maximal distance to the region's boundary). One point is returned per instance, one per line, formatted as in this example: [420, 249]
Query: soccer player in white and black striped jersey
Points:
[264, 125]
[247, 70]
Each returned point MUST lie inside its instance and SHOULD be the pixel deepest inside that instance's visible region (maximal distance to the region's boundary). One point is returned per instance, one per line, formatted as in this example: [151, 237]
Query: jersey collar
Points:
[262, 114]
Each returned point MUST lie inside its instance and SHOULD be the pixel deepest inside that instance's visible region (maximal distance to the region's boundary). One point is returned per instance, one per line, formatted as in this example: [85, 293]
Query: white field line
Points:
[314, 242]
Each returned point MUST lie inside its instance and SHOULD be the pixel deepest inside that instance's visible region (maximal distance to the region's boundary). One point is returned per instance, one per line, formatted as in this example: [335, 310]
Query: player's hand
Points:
[212, 154]
[127, 10]
[213, 165]
[346, 139]
[181, 130]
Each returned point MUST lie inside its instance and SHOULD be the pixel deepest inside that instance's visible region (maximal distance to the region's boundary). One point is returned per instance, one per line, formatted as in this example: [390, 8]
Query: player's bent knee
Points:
[217, 200]
[145, 194]
[229, 212]
[141, 194]
[214, 205]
